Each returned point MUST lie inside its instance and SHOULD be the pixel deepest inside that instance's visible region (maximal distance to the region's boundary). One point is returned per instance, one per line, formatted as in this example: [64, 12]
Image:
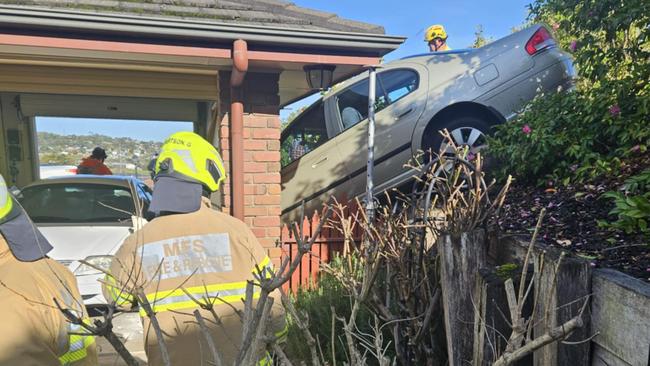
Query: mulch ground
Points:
[571, 221]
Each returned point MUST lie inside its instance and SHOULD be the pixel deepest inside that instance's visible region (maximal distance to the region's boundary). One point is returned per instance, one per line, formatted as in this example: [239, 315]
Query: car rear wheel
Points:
[465, 132]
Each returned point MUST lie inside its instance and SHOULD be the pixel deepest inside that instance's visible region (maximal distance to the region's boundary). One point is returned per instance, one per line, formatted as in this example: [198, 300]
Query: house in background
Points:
[226, 66]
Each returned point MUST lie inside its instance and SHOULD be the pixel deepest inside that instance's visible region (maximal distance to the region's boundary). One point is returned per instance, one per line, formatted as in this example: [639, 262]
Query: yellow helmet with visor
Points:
[188, 156]
[435, 31]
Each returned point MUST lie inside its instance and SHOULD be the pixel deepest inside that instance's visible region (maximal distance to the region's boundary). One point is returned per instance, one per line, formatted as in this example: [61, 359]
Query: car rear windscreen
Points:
[77, 203]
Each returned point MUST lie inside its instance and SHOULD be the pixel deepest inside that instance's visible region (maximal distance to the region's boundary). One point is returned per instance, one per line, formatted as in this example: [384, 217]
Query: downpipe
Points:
[239, 69]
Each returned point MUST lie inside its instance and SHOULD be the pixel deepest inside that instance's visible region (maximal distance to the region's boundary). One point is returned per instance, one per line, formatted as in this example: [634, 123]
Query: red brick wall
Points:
[261, 155]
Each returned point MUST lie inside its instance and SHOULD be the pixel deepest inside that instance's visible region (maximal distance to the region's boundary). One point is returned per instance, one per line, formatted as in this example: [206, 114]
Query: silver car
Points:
[465, 91]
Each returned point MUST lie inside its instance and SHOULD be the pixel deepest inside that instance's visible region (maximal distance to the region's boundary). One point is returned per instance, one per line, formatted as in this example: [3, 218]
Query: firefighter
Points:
[436, 37]
[94, 164]
[33, 330]
[188, 253]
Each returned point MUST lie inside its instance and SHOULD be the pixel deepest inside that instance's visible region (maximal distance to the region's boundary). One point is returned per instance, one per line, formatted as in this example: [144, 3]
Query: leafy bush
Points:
[574, 136]
[609, 38]
[632, 205]
[579, 135]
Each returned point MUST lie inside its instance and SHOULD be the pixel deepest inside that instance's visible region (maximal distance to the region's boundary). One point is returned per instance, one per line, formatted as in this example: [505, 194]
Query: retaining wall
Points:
[620, 309]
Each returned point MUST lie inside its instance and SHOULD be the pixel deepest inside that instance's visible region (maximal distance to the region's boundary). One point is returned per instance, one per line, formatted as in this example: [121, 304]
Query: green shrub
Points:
[317, 304]
[609, 38]
[574, 136]
[631, 206]
[585, 133]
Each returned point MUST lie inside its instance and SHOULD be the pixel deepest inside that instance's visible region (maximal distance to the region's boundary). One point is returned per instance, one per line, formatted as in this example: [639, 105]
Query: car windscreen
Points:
[77, 203]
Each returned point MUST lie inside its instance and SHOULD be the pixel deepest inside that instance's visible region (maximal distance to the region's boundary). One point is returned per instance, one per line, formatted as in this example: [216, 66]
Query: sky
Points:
[139, 130]
[408, 18]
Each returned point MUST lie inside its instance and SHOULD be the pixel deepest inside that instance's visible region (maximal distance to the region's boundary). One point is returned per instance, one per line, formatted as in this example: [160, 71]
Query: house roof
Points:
[275, 13]
[149, 34]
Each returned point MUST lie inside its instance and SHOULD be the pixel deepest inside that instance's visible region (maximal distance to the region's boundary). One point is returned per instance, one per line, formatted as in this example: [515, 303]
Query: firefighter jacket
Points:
[180, 259]
[93, 166]
[33, 331]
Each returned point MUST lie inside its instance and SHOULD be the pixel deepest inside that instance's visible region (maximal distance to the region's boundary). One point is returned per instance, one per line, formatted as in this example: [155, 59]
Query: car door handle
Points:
[319, 162]
[404, 113]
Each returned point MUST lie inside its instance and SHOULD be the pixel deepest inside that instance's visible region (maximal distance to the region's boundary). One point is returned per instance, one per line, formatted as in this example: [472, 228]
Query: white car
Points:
[49, 171]
[86, 217]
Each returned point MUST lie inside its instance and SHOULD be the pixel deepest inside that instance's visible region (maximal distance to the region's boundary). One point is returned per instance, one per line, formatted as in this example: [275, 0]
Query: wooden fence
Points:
[328, 243]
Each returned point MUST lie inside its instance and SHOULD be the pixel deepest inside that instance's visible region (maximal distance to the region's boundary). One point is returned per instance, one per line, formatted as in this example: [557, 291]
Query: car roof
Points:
[430, 55]
[118, 180]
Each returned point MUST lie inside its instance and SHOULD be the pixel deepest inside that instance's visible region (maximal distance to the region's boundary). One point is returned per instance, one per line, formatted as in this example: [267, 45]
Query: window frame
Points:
[328, 128]
[337, 119]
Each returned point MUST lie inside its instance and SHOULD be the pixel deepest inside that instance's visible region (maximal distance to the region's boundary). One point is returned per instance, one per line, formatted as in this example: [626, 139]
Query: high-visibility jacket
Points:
[93, 166]
[33, 331]
[206, 254]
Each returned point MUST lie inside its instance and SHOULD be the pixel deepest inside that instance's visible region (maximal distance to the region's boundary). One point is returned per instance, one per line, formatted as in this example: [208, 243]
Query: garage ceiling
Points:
[83, 106]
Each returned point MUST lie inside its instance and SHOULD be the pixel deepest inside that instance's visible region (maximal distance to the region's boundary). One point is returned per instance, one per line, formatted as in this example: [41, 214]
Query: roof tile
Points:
[277, 13]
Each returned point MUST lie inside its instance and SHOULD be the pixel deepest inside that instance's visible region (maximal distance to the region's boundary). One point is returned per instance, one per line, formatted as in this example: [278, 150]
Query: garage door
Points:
[123, 83]
[50, 105]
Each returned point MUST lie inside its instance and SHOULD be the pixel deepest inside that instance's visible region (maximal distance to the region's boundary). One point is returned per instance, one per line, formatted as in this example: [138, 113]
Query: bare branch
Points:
[142, 299]
[558, 333]
[208, 338]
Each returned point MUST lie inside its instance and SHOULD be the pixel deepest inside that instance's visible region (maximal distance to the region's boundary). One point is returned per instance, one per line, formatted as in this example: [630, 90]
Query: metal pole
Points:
[370, 201]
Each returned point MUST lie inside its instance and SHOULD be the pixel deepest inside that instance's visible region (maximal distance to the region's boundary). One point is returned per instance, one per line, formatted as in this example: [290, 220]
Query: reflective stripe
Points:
[266, 361]
[186, 156]
[282, 334]
[78, 345]
[227, 292]
[5, 200]
[118, 295]
[177, 299]
[266, 266]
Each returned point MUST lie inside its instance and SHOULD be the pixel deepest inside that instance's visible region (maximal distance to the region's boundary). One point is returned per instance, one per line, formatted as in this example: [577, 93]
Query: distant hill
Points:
[55, 149]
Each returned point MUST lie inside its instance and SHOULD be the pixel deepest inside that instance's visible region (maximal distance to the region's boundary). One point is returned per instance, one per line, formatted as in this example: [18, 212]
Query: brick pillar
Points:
[261, 155]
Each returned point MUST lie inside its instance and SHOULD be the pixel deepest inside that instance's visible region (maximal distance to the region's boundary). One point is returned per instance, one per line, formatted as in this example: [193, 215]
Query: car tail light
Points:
[542, 39]
[72, 170]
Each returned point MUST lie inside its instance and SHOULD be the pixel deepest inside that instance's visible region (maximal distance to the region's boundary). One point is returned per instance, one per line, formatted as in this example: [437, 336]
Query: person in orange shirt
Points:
[94, 164]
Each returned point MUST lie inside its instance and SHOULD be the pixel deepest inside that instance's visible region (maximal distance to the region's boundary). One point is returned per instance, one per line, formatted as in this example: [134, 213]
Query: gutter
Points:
[29, 18]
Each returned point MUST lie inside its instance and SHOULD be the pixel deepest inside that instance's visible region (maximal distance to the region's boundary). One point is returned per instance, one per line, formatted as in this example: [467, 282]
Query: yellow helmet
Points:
[189, 156]
[435, 31]
[6, 203]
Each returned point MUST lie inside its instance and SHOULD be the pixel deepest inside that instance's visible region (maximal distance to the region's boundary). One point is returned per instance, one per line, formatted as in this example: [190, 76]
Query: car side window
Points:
[391, 86]
[353, 103]
[304, 134]
[144, 192]
[398, 83]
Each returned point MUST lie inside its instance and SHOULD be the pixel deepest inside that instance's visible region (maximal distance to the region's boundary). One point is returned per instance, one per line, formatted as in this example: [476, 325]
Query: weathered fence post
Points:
[561, 295]
[461, 258]
[559, 298]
